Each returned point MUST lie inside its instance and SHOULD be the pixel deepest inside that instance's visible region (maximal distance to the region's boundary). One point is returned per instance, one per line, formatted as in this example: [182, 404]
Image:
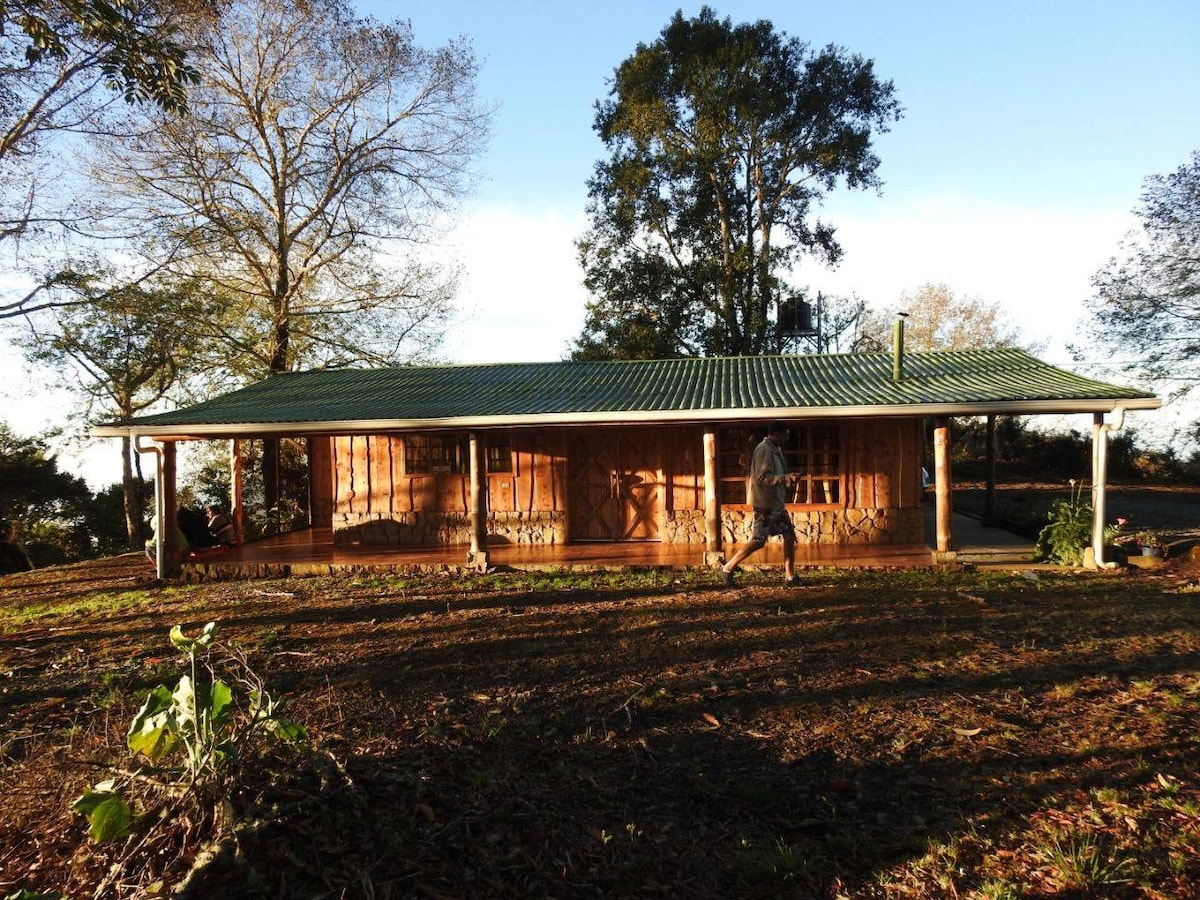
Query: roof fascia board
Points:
[620, 417]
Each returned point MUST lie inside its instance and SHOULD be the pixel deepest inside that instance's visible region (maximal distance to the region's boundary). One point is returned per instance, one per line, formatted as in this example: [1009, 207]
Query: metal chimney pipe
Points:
[898, 348]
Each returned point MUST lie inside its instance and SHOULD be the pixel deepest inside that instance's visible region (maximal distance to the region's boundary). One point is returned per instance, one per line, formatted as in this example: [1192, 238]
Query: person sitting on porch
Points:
[220, 526]
[152, 544]
[768, 481]
[195, 528]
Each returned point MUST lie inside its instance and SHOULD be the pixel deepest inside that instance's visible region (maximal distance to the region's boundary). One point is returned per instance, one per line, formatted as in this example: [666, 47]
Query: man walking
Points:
[769, 481]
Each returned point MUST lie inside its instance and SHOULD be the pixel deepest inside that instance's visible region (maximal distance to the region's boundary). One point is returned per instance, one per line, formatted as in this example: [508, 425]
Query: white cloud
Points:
[1037, 263]
[521, 298]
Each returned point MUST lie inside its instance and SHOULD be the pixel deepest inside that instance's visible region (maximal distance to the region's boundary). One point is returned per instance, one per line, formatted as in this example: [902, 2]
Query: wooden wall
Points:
[882, 463]
[683, 462]
[363, 476]
[368, 478]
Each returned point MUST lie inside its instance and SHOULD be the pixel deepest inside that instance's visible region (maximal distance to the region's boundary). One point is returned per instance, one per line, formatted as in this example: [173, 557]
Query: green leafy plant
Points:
[1068, 531]
[108, 815]
[199, 719]
[1148, 539]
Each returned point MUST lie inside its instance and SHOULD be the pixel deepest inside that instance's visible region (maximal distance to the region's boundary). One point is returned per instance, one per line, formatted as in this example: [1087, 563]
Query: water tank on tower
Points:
[796, 318]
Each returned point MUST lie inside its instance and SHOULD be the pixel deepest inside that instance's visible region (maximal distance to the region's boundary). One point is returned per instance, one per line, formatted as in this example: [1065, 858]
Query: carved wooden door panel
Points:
[616, 485]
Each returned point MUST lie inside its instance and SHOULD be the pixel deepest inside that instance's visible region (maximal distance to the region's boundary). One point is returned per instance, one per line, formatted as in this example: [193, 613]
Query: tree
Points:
[317, 148]
[38, 503]
[1148, 296]
[721, 142]
[939, 319]
[63, 63]
[122, 346]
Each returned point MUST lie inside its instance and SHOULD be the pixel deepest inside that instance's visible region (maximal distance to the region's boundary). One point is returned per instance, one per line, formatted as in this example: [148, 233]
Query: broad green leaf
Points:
[154, 730]
[288, 731]
[220, 704]
[155, 739]
[110, 820]
[184, 701]
[107, 813]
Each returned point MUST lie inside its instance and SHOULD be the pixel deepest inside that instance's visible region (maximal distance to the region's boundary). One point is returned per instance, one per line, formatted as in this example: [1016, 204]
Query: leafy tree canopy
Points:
[120, 344]
[124, 40]
[37, 501]
[1148, 296]
[937, 318]
[318, 147]
[63, 63]
[721, 142]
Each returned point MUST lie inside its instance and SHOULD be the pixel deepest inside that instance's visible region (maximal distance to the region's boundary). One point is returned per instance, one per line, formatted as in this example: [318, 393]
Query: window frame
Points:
[813, 449]
[449, 454]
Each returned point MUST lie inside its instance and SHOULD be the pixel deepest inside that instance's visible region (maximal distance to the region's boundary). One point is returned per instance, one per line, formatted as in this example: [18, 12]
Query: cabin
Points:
[558, 454]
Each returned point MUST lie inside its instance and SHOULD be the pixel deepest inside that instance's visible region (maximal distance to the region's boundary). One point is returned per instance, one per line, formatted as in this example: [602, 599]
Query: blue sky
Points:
[1019, 100]
[1028, 129]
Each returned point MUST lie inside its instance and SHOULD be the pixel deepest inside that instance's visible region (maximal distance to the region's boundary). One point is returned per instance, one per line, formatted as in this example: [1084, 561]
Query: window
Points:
[498, 454]
[449, 454]
[435, 454]
[811, 450]
[735, 445]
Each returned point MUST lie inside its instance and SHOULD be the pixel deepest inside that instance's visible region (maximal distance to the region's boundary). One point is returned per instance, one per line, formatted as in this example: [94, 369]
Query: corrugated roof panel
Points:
[565, 389]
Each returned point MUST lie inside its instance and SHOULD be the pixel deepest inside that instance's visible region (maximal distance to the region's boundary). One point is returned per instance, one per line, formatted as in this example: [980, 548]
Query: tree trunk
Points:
[278, 365]
[131, 491]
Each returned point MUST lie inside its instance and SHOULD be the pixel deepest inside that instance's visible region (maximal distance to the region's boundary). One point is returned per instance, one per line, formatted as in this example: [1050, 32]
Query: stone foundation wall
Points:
[836, 526]
[421, 529]
[819, 526]
[683, 526]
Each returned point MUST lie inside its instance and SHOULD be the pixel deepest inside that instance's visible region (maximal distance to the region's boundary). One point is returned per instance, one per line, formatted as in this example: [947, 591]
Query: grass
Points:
[102, 603]
[918, 734]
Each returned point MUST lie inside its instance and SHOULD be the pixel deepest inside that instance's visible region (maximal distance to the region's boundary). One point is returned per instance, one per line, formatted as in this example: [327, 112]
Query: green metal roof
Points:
[937, 383]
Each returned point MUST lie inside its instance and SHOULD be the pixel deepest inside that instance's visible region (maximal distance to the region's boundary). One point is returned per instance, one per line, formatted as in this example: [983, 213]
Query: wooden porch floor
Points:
[312, 552]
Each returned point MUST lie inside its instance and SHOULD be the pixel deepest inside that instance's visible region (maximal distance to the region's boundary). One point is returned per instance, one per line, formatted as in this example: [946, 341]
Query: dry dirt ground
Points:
[870, 734]
[1172, 511]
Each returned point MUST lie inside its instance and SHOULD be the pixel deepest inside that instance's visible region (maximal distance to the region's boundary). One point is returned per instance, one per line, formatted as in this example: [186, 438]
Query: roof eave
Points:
[622, 417]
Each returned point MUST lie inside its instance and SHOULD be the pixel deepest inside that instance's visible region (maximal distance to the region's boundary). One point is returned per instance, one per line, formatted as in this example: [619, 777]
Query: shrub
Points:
[1068, 531]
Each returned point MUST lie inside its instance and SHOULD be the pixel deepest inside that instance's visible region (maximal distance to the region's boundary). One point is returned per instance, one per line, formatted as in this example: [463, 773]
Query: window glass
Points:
[435, 454]
[498, 453]
[449, 454]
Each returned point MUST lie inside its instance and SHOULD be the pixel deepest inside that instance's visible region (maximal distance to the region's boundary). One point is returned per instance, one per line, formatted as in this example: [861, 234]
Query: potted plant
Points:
[1150, 543]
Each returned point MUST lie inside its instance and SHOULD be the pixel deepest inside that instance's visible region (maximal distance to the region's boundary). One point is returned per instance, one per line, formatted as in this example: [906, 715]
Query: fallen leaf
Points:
[967, 732]
[427, 811]
[712, 720]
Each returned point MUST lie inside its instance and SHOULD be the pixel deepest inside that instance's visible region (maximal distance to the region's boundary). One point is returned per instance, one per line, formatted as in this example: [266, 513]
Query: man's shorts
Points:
[771, 521]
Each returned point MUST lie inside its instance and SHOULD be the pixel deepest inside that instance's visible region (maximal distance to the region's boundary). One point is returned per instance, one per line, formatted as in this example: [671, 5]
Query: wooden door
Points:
[616, 485]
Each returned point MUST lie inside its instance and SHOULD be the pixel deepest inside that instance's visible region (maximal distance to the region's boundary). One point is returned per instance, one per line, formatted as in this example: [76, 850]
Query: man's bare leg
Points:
[747, 549]
[789, 557]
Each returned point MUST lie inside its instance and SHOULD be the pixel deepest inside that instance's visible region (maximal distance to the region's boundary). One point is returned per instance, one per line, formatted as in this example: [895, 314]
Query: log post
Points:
[714, 555]
[989, 492]
[1099, 480]
[944, 550]
[478, 555]
[237, 508]
[169, 552]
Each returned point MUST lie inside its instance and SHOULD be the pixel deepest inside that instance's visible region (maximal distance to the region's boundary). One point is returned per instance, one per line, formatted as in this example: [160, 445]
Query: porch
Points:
[312, 552]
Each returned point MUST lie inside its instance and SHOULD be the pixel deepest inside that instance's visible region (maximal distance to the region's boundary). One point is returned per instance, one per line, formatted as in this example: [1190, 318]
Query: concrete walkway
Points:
[987, 547]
